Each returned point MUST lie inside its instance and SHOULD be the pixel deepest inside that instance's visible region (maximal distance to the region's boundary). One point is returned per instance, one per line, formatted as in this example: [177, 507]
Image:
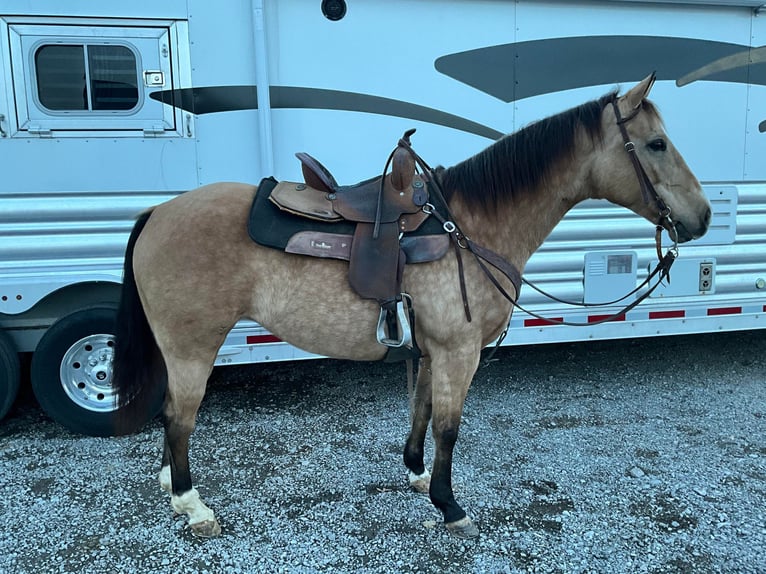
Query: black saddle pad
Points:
[270, 226]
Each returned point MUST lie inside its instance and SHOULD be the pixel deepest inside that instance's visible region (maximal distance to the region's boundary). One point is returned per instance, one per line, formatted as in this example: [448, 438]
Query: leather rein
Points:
[486, 257]
[664, 262]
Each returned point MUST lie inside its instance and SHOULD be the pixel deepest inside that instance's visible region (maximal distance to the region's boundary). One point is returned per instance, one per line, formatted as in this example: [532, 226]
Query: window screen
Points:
[86, 77]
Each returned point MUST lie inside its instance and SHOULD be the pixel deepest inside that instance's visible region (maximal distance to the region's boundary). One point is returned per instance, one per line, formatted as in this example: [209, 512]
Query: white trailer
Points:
[107, 108]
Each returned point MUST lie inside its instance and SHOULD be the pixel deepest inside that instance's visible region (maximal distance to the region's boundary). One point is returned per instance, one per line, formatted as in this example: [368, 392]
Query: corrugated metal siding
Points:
[63, 238]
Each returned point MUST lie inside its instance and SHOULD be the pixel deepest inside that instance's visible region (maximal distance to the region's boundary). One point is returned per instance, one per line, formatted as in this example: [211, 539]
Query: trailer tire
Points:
[72, 371]
[10, 373]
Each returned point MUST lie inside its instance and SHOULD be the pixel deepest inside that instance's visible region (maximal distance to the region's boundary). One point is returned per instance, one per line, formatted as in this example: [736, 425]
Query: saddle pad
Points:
[272, 227]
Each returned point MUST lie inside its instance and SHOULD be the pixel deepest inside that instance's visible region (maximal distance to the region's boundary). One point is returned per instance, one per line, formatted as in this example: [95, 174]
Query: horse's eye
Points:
[658, 145]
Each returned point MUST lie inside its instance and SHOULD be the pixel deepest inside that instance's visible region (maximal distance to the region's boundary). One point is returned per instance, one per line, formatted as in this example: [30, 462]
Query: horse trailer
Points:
[107, 109]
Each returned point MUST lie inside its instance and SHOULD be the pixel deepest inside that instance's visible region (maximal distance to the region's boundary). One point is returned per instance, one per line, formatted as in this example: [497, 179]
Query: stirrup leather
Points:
[402, 326]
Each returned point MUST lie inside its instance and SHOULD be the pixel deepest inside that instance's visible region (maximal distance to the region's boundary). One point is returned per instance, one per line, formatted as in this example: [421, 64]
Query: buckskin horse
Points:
[176, 310]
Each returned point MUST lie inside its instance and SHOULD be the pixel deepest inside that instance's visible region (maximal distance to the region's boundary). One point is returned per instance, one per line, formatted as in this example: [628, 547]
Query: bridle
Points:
[647, 189]
[664, 262]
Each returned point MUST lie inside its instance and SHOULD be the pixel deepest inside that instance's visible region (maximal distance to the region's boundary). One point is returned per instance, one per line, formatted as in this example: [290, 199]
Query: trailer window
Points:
[81, 80]
[86, 77]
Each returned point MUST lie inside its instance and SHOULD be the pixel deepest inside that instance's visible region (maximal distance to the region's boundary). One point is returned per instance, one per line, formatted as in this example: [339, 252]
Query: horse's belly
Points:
[308, 303]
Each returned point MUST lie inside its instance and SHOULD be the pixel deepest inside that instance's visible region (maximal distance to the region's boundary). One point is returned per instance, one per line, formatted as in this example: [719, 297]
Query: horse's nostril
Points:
[708, 216]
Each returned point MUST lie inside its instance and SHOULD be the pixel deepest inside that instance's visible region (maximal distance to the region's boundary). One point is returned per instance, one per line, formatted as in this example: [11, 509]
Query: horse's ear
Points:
[638, 93]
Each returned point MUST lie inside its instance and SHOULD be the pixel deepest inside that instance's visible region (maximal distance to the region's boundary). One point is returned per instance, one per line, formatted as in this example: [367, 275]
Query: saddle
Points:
[377, 225]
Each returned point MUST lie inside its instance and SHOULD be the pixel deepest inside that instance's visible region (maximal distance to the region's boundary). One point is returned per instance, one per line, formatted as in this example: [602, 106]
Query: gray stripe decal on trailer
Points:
[512, 72]
[207, 100]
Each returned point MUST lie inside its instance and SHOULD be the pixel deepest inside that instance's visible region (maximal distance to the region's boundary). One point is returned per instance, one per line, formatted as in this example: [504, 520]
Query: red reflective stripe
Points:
[596, 318]
[541, 322]
[724, 311]
[256, 339]
[667, 314]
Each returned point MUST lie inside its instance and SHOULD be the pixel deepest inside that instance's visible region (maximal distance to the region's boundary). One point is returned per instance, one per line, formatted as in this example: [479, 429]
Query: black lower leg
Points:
[414, 447]
[177, 454]
[165, 453]
[413, 456]
[441, 480]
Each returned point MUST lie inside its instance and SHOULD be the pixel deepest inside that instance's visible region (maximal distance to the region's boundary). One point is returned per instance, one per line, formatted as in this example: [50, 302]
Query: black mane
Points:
[521, 161]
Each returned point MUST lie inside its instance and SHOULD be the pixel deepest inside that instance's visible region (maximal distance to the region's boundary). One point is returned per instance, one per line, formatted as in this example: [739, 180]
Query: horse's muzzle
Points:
[686, 234]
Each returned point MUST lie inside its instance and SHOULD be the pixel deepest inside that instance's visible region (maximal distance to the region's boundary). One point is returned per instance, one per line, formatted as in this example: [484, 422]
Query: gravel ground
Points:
[634, 456]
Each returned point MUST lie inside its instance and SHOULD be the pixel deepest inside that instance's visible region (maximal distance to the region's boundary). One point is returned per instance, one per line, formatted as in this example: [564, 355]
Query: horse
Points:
[191, 272]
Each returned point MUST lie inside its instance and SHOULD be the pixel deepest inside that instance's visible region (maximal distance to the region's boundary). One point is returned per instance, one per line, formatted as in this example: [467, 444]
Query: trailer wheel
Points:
[72, 372]
[10, 373]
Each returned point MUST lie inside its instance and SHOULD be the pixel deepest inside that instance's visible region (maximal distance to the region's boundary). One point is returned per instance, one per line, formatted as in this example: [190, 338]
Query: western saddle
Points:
[383, 209]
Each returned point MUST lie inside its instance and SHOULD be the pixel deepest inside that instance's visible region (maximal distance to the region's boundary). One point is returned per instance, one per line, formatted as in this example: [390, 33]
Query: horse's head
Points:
[656, 179]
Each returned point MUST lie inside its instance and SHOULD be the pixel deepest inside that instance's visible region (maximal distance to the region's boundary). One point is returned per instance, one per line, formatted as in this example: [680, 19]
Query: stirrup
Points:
[402, 327]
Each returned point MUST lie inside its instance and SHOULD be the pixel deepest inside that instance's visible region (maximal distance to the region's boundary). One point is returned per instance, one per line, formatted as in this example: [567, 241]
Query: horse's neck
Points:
[519, 226]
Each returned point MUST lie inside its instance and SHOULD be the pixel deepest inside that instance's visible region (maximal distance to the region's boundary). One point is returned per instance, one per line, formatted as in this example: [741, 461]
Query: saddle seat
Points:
[396, 197]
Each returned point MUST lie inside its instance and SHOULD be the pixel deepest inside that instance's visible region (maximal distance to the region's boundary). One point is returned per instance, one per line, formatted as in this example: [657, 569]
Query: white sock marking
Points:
[190, 503]
[165, 480]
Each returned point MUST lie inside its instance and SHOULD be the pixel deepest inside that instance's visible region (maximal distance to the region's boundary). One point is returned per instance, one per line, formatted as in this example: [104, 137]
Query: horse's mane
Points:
[521, 161]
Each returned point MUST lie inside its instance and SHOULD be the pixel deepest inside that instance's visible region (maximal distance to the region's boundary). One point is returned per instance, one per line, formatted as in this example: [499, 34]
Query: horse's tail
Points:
[139, 376]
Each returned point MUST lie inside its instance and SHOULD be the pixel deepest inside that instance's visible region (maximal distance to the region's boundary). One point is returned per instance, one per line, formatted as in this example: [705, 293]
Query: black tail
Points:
[138, 371]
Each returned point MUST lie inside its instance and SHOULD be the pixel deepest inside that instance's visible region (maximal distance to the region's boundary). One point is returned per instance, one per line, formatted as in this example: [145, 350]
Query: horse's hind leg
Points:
[186, 387]
[420, 478]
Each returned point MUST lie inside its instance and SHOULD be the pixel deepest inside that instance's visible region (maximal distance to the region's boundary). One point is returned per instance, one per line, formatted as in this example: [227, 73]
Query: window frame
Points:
[154, 44]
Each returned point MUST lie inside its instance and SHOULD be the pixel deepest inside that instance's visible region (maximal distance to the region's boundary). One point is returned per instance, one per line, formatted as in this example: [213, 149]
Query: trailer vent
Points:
[609, 275]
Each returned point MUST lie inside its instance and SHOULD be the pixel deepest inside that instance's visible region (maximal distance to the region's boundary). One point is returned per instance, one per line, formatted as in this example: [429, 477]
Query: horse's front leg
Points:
[420, 478]
[452, 372]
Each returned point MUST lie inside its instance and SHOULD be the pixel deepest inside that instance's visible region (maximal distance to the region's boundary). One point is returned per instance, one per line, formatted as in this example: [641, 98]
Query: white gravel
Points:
[634, 456]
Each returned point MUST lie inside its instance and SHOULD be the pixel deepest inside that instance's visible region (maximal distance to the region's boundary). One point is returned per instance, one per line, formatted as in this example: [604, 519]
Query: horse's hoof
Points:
[420, 482]
[463, 528]
[206, 528]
